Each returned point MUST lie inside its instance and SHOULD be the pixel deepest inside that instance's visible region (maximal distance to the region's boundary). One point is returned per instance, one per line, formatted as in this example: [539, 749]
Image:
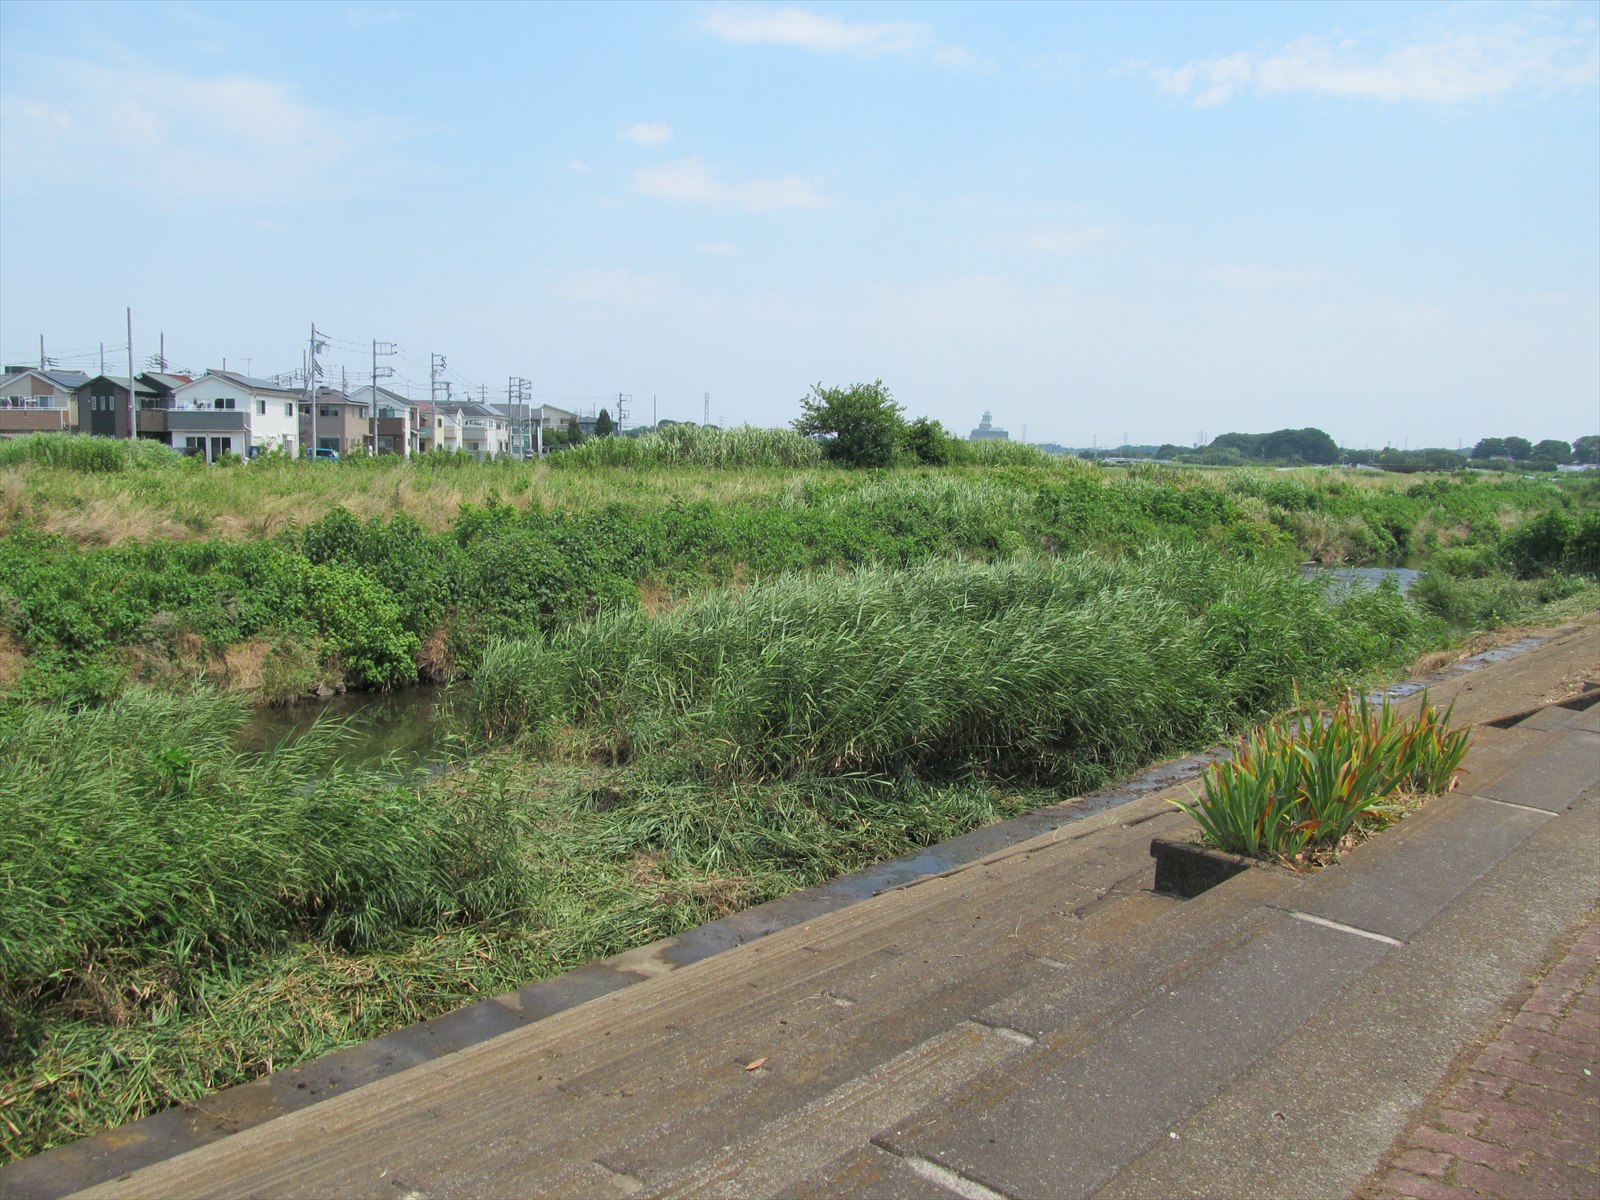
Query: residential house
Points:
[447, 424]
[343, 424]
[484, 432]
[39, 401]
[400, 425]
[225, 412]
[525, 441]
[103, 405]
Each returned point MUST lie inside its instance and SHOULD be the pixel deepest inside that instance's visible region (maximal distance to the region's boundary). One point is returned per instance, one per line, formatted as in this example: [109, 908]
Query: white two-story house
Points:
[224, 412]
[484, 432]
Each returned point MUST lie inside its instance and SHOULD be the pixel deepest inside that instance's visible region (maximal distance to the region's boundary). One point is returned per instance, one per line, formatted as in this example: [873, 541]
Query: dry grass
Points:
[242, 662]
[13, 660]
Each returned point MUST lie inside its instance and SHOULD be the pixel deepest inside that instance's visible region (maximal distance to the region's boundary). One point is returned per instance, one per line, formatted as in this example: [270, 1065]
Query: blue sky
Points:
[1151, 219]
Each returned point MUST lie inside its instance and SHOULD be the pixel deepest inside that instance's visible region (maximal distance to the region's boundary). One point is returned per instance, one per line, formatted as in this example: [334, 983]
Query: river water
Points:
[1342, 580]
[412, 726]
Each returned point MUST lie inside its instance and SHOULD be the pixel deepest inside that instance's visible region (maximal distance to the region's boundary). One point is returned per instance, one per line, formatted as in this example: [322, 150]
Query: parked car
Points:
[322, 454]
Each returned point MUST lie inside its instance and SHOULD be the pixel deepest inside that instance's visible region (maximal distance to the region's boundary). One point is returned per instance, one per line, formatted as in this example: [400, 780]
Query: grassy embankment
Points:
[905, 656]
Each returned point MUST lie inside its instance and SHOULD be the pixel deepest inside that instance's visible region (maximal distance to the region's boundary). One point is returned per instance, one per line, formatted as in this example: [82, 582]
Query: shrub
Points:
[862, 425]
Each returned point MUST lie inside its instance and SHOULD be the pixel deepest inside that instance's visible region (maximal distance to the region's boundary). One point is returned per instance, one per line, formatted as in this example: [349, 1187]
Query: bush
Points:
[862, 425]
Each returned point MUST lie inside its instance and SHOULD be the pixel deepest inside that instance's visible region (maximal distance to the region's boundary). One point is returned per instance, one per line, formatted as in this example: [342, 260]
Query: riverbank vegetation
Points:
[699, 678]
[346, 587]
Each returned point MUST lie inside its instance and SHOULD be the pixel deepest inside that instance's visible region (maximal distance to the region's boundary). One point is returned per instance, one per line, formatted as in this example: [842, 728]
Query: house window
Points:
[225, 403]
[261, 408]
[288, 410]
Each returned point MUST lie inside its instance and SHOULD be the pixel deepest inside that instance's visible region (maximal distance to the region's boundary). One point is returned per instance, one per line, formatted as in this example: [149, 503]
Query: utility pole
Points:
[388, 350]
[517, 397]
[705, 418]
[622, 401]
[102, 358]
[312, 371]
[133, 431]
[435, 369]
[41, 352]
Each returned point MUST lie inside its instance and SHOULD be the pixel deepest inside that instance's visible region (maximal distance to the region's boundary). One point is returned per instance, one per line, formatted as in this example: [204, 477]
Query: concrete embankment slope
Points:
[1034, 1023]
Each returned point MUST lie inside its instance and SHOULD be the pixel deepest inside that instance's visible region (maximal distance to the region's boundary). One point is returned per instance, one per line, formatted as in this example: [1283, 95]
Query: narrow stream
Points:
[1340, 580]
[412, 726]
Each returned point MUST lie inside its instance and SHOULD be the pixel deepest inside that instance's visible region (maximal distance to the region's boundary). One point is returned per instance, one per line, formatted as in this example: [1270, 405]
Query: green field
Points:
[694, 685]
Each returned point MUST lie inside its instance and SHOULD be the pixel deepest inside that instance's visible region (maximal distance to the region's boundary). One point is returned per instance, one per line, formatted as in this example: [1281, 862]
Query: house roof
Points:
[144, 383]
[69, 381]
[385, 394]
[253, 384]
[471, 408]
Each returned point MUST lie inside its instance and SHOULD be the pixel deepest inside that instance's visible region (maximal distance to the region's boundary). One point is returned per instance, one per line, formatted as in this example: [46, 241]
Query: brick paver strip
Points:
[1520, 1120]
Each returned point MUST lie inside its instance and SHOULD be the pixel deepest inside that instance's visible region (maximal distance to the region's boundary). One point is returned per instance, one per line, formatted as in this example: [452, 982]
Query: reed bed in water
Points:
[1064, 671]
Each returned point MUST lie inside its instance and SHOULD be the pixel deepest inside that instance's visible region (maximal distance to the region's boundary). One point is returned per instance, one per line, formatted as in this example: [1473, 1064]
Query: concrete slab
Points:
[835, 1125]
[1578, 716]
[1377, 1054]
[1536, 768]
[1399, 881]
[1098, 972]
[1065, 1119]
[873, 1172]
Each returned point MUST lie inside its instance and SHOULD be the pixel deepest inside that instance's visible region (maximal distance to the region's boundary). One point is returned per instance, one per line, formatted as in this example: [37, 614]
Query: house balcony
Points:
[206, 421]
[15, 421]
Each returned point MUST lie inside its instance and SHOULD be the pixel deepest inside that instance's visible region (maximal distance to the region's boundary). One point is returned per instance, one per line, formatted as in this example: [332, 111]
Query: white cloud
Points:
[1068, 241]
[806, 30]
[579, 166]
[722, 249]
[648, 133]
[214, 130]
[691, 181]
[1450, 67]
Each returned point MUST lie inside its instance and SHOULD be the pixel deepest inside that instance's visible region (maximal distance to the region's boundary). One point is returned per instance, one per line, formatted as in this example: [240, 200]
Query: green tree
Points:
[1489, 448]
[862, 424]
[575, 434]
[1552, 450]
[1586, 449]
[1520, 449]
[1310, 445]
[602, 424]
[928, 442]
